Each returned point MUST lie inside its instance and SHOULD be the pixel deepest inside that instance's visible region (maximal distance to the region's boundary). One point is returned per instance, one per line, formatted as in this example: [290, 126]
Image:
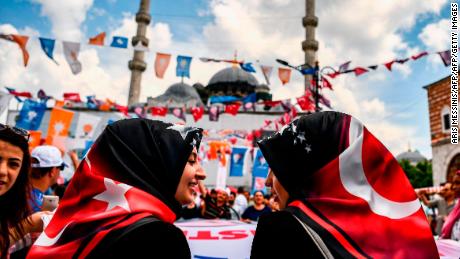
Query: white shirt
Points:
[240, 204]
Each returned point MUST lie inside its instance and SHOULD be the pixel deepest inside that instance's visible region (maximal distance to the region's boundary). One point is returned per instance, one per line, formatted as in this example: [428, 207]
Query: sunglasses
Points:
[19, 131]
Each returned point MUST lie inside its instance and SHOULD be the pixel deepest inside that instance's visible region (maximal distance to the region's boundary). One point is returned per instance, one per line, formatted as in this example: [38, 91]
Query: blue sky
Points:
[392, 104]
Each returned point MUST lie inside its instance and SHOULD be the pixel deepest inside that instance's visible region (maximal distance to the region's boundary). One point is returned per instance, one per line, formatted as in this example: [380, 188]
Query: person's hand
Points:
[246, 220]
[35, 223]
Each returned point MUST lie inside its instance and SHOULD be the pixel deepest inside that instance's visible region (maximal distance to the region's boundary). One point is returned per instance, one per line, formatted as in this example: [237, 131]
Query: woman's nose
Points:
[200, 173]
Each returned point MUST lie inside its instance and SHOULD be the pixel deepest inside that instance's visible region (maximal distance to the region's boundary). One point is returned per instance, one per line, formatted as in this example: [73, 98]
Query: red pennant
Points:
[74, 97]
[305, 103]
[197, 113]
[232, 108]
[257, 133]
[326, 83]
[122, 109]
[359, 71]
[232, 140]
[272, 103]
[159, 111]
[389, 64]
[422, 54]
[267, 122]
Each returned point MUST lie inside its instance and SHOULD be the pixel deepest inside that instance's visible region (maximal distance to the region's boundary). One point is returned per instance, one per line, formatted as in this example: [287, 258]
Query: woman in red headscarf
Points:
[126, 194]
[341, 194]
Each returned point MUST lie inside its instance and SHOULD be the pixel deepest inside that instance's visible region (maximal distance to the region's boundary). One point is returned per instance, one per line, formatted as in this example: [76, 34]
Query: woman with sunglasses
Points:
[15, 221]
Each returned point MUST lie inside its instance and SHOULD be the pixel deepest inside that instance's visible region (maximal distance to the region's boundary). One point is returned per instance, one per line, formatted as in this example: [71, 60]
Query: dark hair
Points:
[263, 194]
[39, 172]
[14, 203]
[240, 189]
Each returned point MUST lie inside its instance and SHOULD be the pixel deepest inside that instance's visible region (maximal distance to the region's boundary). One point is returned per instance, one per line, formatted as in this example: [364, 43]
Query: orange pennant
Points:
[60, 121]
[98, 39]
[22, 42]
[161, 64]
[34, 139]
[284, 75]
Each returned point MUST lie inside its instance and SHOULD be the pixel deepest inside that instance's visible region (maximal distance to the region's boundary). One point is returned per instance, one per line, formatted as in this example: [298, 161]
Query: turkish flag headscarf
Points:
[132, 171]
[348, 187]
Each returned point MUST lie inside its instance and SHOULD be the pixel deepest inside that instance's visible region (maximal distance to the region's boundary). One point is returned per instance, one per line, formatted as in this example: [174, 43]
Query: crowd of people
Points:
[140, 176]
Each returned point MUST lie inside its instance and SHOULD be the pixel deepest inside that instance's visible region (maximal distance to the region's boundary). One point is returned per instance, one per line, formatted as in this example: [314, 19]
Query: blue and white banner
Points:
[31, 115]
[259, 172]
[119, 42]
[183, 66]
[237, 161]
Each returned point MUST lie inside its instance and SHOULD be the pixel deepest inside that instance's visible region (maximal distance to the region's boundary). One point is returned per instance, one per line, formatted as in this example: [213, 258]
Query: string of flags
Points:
[162, 60]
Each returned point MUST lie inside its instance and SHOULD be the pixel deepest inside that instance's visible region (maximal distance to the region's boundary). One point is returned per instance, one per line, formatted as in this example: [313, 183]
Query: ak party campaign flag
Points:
[31, 115]
[71, 50]
[48, 47]
[237, 161]
[60, 121]
[21, 41]
[183, 66]
[119, 42]
[161, 64]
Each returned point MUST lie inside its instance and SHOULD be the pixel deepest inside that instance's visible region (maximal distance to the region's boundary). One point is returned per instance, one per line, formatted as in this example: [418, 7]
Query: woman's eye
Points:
[14, 165]
[191, 161]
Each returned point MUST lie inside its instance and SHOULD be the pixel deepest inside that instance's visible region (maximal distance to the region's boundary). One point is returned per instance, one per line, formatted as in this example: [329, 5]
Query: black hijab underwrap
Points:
[303, 147]
[147, 154]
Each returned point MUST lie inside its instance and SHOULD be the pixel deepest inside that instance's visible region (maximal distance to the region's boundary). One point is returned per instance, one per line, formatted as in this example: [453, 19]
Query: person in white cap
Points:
[47, 164]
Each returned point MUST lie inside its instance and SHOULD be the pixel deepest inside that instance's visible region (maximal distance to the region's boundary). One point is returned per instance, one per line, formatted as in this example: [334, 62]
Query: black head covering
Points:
[303, 147]
[147, 154]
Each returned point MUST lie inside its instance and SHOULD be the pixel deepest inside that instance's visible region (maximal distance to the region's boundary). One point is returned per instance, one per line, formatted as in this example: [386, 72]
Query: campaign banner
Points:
[237, 161]
[259, 172]
[218, 239]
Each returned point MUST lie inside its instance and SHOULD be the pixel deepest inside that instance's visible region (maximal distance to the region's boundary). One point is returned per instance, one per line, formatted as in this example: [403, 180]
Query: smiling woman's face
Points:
[281, 195]
[10, 165]
[193, 172]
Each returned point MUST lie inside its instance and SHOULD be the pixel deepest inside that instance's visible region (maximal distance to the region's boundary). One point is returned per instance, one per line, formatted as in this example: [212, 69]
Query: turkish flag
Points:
[159, 111]
[232, 108]
[364, 200]
[197, 113]
[93, 205]
[74, 97]
[326, 83]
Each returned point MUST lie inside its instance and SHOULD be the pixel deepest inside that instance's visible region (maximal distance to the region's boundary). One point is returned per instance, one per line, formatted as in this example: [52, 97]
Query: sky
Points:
[392, 104]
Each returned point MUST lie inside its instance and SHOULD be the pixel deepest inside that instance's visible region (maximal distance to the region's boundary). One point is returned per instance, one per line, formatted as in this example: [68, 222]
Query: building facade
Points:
[446, 156]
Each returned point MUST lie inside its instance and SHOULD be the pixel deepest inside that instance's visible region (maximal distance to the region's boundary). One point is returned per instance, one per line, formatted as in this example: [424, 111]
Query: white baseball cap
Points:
[47, 156]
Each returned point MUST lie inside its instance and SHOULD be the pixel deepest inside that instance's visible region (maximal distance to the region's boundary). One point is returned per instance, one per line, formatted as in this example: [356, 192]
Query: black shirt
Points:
[146, 238]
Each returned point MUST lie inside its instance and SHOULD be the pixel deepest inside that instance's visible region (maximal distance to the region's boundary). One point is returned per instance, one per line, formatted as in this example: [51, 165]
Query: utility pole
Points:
[137, 65]
[310, 45]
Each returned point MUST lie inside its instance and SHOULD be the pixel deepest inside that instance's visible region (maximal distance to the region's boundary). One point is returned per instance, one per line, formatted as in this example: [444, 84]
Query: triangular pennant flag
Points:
[203, 59]
[122, 109]
[98, 39]
[91, 102]
[21, 41]
[360, 70]
[159, 111]
[323, 100]
[373, 67]
[266, 71]
[445, 57]
[48, 47]
[214, 113]
[140, 112]
[183, 66]
[247, 67]
[284, 74]
[326, 83]
[74, 97]
[161, 64]
[71, 50]
[232, 108]
[389, 64]
[344, 67]
[179, 113]
[197, 113]
[402, 61]
[119, 42]
[305, 103]
[422, 54]
[60, 121]
[41, 95]
[17, 94]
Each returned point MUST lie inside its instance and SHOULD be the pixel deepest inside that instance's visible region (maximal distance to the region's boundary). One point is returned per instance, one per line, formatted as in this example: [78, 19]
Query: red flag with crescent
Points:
[351, 199]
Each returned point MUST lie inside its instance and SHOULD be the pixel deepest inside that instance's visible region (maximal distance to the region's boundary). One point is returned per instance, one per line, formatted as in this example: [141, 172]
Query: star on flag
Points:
[114, 195]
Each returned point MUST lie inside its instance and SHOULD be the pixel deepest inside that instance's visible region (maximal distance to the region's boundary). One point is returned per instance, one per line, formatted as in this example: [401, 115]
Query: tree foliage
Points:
[420, 175]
